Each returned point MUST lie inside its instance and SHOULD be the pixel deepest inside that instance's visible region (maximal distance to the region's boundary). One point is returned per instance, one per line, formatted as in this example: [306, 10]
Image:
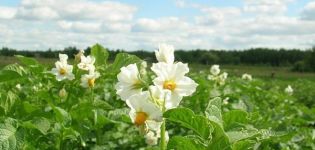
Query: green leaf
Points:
[184, 143]
[29, 108]
[219, 138]
[85, 109]
[213, 111]
[41, 124]
[7, 102]
[16, 68]
[243, 145]
[10, 138]
[123, 59]
[101, 104]
[9, 75]
[235, 118]
[100, 53]
[62, 115]
[187, 118]
[26, 60]
[70, 134]
[235, 136]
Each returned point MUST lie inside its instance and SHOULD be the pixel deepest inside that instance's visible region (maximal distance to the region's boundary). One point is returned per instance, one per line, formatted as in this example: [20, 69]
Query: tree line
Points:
[301, 60]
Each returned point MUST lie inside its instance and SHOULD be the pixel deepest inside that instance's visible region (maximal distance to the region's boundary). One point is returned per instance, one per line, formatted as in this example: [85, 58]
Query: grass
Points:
[266, 72]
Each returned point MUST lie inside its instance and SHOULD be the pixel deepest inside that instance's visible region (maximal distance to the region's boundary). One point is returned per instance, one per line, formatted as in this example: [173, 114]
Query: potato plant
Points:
[90, 103]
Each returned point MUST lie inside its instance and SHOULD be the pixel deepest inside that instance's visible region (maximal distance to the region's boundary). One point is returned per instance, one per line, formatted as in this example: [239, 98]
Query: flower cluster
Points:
[289, 90]
[216, 76]
[64, 71]
[247, 77]
[148, 102]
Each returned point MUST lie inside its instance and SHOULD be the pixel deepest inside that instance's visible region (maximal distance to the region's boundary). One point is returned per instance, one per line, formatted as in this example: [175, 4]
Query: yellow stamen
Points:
[91, 82]
[141, 117]
[171, 85]
[62, 71]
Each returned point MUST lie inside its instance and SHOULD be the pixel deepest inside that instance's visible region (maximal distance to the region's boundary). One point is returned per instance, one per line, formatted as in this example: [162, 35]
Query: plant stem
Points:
[163, 140]
[163, 128]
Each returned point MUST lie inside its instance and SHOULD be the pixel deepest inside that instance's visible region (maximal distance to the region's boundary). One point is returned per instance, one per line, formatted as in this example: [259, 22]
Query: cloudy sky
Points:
[143, 24]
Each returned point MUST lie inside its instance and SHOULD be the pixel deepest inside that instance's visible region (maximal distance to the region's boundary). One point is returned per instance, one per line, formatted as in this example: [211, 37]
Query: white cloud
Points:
[43, 24]
[166, 24]
[75, 10]
[214, 15]
[7, 12]
[270, 7]
[308, 12]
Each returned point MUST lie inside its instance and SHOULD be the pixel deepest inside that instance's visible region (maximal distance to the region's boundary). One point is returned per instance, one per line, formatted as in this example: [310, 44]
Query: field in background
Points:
[265, 72]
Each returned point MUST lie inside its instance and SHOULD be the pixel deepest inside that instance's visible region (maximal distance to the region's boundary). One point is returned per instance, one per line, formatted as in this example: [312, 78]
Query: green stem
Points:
[163, 140]
[163, 128]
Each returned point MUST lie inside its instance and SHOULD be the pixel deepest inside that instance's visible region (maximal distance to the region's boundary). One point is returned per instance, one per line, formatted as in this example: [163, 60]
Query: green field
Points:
[233, 70]
[37, 111]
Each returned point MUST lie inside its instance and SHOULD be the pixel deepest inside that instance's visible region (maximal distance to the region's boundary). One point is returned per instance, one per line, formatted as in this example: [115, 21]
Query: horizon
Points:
[141, 25]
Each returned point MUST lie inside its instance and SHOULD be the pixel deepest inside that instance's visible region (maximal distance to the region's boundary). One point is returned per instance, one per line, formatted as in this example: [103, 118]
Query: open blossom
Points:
[63, 70]
[222, 78]
[87, 63]
[63, 58]
[88, 80]
[246, 76]
[160, 95]
[129, 82]
[289, 90]
[165, 53]
[215, 69]
[143, 109]
[216, 76]
[151, 138]
[172, 77]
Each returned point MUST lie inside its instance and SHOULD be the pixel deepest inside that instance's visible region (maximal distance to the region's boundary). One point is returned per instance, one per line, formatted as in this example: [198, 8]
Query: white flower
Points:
[160, 95]
[18, 86]
[63, 70]
[226, 101]
[88, 80]
[143, 109]
[151, 138]
[172, 77]
[87, 63]
[222, 78]
[128, 82]
[63, 58]
[215, 69]
[165, 53]
[143, 68]
[246, 76]
[289, 90]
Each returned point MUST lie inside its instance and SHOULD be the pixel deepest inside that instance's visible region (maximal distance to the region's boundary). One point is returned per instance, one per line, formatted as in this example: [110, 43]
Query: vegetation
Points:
[301, 60]
[43, 110]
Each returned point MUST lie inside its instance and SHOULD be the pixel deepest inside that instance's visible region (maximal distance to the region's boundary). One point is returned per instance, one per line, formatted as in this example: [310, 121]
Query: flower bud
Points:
[63, 93]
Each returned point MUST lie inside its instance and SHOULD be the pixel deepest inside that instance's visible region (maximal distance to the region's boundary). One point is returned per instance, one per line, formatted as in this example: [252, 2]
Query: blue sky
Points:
[142, 24]
[153, 9]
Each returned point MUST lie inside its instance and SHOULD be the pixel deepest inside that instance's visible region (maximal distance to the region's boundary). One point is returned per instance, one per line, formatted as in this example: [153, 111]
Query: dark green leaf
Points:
[188, 119]
[183, 143]
[123, 59]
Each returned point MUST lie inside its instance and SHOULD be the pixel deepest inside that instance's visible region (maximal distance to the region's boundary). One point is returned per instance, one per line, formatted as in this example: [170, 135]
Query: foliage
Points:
[238, 115]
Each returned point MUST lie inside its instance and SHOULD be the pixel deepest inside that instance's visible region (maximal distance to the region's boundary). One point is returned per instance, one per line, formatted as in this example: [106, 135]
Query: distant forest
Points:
[300, 60]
